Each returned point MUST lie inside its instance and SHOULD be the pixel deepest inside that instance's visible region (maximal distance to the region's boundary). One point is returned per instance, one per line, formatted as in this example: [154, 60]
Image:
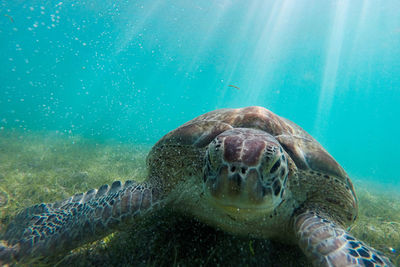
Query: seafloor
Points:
[44, 167]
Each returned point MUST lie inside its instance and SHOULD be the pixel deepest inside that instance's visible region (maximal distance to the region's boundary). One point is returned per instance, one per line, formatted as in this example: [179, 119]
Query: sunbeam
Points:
[266, 52]
[332, 61]
[132, 25]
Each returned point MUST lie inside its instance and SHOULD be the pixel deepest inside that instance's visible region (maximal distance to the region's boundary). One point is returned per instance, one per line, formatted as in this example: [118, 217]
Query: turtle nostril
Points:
[233, 169]
[244, 170]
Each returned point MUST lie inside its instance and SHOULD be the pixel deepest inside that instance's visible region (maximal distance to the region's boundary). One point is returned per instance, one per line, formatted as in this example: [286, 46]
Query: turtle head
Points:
[245, 169]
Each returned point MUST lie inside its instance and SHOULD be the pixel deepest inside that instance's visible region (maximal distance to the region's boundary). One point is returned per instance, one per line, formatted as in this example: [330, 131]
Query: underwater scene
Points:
[296, 165]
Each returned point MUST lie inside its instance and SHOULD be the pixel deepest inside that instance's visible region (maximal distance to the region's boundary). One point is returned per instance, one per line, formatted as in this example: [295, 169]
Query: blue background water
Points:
[133, 70]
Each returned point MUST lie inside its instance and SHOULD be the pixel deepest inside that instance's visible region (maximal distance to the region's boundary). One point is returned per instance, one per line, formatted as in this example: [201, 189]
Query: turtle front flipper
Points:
[50, 229]
[328, 244]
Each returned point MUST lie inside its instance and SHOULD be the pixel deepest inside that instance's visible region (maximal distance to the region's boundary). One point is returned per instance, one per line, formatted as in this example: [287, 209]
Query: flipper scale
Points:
[50, 229]
[328, 244]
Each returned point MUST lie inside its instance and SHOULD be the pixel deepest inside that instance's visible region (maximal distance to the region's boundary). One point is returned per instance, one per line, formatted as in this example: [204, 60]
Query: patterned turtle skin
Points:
[247, 171]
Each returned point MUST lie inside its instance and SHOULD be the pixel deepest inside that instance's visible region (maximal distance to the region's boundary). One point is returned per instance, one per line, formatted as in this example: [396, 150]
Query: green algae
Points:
[378, 222]
[44, 167]
[47, 167]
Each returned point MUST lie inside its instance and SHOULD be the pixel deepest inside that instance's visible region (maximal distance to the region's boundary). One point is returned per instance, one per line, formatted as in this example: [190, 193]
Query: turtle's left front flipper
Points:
[50, 229]
[328, 244]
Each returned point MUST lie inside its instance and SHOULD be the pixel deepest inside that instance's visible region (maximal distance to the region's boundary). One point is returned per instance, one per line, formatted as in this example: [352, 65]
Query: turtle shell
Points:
[317, 173]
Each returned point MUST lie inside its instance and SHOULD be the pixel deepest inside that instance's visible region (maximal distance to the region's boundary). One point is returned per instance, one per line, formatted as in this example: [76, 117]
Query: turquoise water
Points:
[134, 70]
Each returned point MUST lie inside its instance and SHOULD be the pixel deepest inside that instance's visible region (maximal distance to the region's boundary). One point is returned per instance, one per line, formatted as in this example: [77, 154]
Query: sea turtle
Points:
[246, 171]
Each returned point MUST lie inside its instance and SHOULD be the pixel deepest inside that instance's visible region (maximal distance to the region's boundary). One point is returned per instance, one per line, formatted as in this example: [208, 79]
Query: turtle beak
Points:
[239, 186]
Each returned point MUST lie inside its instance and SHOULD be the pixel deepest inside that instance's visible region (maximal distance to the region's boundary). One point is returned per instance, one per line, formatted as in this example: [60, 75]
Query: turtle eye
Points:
[276, 166]
[209, 158]
[213, 156]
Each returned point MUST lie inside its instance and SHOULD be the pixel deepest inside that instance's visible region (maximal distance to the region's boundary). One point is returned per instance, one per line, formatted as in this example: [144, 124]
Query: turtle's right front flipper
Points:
[51, 229]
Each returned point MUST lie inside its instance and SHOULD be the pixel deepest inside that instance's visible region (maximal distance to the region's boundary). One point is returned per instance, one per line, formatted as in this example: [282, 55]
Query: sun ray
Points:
[333, 53]
[135, 25]
[267, 49]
